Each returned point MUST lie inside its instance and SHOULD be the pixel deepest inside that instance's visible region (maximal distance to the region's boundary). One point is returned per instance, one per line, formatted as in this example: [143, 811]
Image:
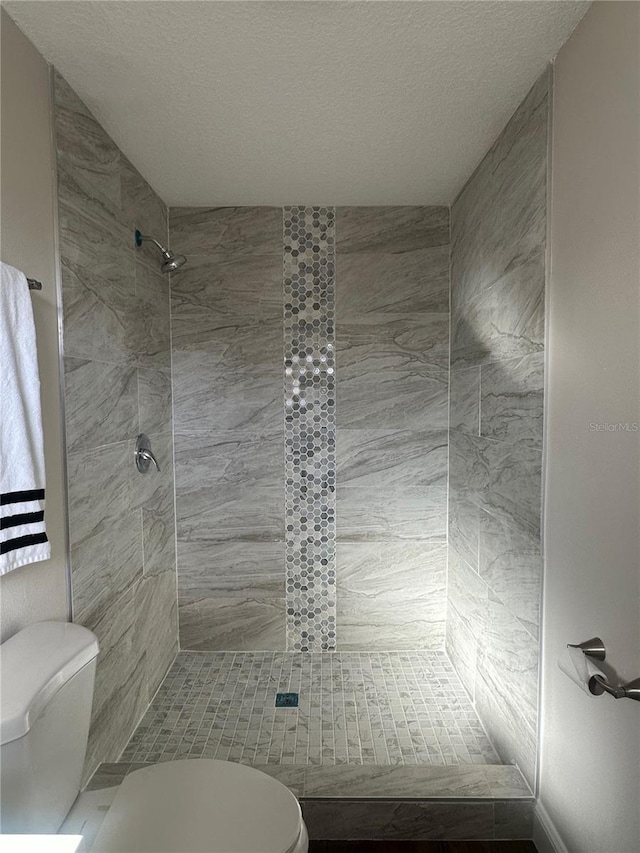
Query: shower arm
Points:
[140, 239]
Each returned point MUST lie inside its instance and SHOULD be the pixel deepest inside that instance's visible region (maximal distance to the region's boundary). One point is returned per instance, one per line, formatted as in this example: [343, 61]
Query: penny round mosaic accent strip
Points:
[310, 427]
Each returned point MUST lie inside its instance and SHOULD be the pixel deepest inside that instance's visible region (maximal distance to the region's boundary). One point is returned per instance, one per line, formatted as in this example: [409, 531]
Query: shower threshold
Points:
[372, 781]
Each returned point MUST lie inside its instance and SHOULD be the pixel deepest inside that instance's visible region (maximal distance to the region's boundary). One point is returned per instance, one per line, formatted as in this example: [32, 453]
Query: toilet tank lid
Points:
[34, 665]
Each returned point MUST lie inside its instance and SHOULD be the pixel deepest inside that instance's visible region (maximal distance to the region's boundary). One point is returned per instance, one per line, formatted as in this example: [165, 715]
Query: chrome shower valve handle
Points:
[147, 456]
[144, 455]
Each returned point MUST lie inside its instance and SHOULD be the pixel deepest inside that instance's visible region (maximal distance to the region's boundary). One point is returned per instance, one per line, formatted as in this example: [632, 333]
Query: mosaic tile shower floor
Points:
[354, 708]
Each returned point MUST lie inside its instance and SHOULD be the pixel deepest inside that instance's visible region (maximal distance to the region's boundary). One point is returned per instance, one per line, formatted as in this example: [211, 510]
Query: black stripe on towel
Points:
[22, 542]
[21, 497]
[23, 518]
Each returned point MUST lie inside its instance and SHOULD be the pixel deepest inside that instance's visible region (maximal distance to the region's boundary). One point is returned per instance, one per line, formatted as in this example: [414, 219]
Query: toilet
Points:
[47, 674]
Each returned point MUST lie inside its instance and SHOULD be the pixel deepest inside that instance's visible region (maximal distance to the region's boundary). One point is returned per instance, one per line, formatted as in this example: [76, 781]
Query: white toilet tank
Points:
[46, 677]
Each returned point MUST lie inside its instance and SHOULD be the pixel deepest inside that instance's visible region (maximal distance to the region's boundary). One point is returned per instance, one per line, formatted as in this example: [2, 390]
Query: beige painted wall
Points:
[590, 748]
[27, 241]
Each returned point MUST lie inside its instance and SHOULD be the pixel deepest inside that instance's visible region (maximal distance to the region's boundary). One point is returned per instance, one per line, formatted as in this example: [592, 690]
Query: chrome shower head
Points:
[170, 262]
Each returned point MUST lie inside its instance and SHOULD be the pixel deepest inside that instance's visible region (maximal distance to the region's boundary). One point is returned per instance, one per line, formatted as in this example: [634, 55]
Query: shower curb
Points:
[386, 802]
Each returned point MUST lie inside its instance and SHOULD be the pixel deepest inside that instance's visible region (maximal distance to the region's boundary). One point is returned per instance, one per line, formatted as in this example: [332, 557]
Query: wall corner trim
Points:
[546, 837]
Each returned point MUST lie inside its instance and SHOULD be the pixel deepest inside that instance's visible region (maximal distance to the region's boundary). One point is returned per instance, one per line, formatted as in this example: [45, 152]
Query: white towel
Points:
[23, 537]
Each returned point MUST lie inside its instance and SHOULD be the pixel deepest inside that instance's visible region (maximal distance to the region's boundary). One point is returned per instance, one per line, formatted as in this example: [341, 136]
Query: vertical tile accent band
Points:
[310, 427]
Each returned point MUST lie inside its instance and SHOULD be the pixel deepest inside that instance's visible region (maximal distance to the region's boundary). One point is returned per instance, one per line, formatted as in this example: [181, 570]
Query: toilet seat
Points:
[201, 806]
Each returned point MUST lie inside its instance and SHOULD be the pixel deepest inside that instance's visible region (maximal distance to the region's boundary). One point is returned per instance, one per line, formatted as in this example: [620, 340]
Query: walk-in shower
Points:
[346, 412]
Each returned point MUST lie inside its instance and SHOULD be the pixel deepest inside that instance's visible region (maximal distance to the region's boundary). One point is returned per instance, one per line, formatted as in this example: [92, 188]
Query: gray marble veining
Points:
[104, 566]
[369, 517]
[415, 622]
[464, 523]
[227, 340]
[390, 569]
[391, 595]
[117, 719]
[92, 235]
[510, 657]
[513, 819]
[511, 405]
[102, 405]
[392, 338]
[100, 489]
[208, 397]
[468, 594]
[507, 321]
[156, 628]
[516, 305]
[232, 568]
[391, 484]
[393, 230]
[461, 645]
[117, 381]
[110, 774]
[86, 151]
[114, 627]
[405, 782]
[373, 282]
[498, 220]
[153, 495]
[391, 459]
[392, 356]
[248, 343]
[469, 477]
[66, 98]
[229, 486]
[153, 345]
[99, 319]
[205, 231]
[510, 562]
[507, 782]
[511, 735]
[498, 234]
[393, 371]
[231, 623]
[225, 284]
[513, 491]
[238, 513]
[500, 477]
[395, 819]
[143, 209]
[154, 399]
[466, 619]
[464, 400]
[513, 799]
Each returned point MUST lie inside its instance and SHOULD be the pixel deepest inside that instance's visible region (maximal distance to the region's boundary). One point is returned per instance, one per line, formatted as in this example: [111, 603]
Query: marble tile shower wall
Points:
[117, 362]
[392, 336]
[497, 327]
[234, 484]
[227, 339]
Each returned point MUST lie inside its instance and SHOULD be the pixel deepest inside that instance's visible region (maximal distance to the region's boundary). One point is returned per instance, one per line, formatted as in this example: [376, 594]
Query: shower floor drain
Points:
[286, 700]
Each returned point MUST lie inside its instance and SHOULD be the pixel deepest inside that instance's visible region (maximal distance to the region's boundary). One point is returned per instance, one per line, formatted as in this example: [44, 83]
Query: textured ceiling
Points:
[222, 103]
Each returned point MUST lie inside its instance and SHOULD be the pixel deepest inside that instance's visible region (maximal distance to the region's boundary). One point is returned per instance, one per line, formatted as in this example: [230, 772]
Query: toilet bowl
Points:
[192, 806]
